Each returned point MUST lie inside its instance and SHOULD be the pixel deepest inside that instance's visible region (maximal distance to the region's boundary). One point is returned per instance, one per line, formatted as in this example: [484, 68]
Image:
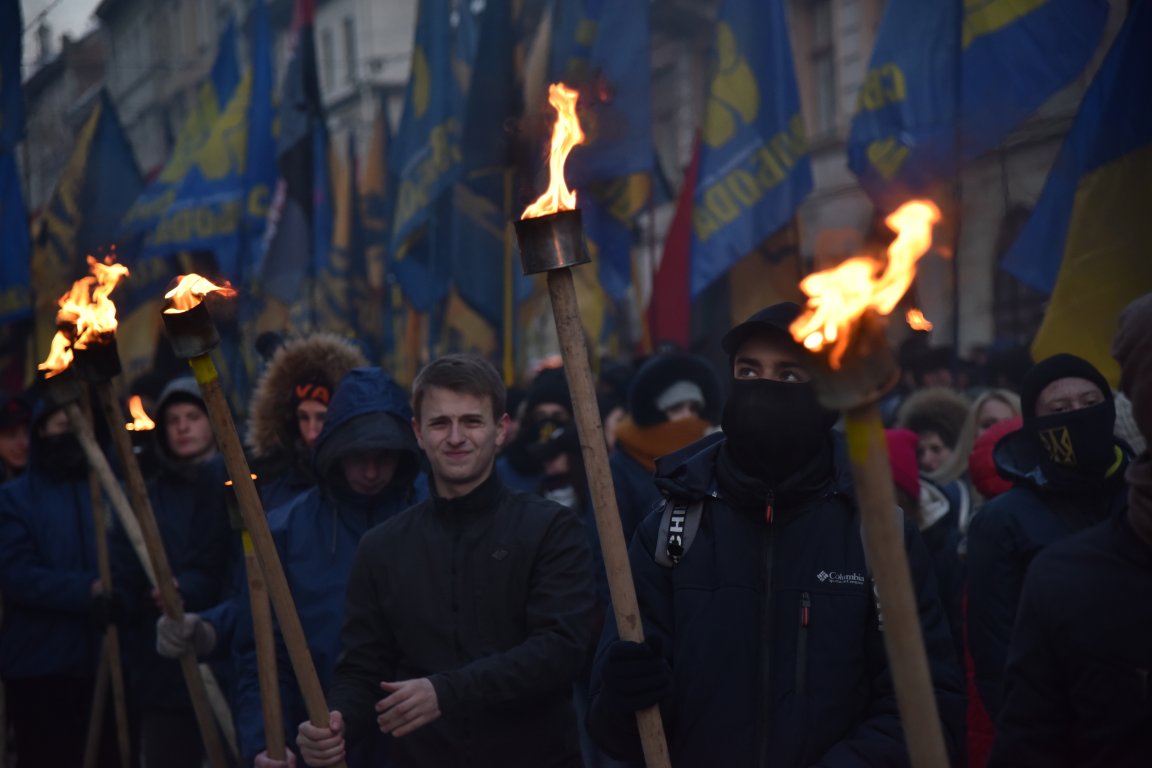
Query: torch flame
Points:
[140, 421]
[837, 297]
[566, 134]
[917, 321]
[86, 316]
[191, 290]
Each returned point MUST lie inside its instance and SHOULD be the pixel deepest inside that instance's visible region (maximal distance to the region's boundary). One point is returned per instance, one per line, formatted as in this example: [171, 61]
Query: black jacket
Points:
[771, 632]
[1004, 536]
[1078, 687]
[490, 597]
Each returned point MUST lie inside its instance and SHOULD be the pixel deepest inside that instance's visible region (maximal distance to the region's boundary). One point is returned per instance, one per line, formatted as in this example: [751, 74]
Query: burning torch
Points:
[86, 349]
[193, 335]
[844, 325]
[552, 240]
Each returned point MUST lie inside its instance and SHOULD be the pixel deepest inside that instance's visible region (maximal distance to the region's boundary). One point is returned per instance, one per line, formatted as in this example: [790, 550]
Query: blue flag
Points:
[260, 164]
[189, 155]
[601, 47]
[300, 217]
[15, 247]
[11, 94]
[945, 84]
[426, 154]
[1087, 239]
[754, 163]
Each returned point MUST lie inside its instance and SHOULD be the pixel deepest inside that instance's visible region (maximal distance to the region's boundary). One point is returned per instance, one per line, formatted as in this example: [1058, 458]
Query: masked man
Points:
[1067, 471]
[763, 644]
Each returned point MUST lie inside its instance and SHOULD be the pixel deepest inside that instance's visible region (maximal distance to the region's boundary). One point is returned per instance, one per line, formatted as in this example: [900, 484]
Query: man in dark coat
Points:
[763, 643]
[468, 615]
[1077, 690]
[1067, 470]
[187, 497]
[49, 586]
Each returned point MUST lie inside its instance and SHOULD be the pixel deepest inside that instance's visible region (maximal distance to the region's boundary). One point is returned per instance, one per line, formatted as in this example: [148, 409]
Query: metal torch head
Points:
[191, 332]
[868, 369]
[62, 389]
[97, 363]
[554, 241]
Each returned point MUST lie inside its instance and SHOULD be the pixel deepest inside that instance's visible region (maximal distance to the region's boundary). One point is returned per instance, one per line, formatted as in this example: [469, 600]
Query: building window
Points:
[327, 59]
[821, 56]
[349, 50]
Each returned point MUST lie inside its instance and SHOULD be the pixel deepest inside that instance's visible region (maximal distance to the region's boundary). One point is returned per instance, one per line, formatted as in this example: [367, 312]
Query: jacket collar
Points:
[481, 500]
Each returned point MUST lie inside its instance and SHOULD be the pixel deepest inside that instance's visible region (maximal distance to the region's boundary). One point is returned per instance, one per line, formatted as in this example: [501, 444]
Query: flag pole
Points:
[509, 287]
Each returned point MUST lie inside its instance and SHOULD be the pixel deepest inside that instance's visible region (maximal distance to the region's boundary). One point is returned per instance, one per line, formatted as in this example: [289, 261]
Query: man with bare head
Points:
[468, 615]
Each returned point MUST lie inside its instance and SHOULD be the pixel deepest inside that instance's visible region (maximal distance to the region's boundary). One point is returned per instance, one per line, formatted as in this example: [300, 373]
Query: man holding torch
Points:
[468, 615]
[52, 598]
[763, 636]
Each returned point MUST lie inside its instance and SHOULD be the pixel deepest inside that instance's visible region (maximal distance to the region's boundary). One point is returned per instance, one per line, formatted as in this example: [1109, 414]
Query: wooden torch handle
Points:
[574, 350]
[884, 543]
[266, 672]
[256, 524]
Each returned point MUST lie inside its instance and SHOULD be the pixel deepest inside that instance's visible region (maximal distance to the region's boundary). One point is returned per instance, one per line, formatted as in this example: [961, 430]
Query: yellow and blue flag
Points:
[11, 94]
[602, 49]
[15, 247]
[98, 185]
[1086, 240]
[426, 155]
[376, 219]
[754, 162]
[201, 156]
[946, 82]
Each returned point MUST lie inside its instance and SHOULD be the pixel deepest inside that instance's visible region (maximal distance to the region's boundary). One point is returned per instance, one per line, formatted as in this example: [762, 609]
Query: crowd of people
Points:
[441, 551]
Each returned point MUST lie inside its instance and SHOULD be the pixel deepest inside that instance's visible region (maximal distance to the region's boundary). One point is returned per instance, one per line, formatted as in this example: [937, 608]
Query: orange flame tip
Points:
[916, 320]
[838, 297]
[566, 134]
[140, 419]
[191, 290]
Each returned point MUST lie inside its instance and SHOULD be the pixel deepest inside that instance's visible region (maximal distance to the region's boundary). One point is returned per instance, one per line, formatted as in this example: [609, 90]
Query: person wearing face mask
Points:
[1067, 471]
[763, 644]
[48, 639]
[1076, 682]
[14, 417]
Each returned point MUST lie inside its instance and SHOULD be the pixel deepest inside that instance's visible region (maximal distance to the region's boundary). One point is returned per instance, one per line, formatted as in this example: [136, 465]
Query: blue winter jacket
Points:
[47, 566]
[316, 536]
[1005, 535]
[770, 628]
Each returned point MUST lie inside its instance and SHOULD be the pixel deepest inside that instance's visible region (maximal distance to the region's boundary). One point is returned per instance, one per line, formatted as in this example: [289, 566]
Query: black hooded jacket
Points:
[770, 628]
[1004, 537]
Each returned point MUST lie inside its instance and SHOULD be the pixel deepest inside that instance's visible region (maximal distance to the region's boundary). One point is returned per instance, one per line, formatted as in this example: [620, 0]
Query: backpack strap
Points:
[679, 523]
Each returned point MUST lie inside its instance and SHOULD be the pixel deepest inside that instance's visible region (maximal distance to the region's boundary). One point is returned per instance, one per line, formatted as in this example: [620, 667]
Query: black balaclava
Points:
[1077, 448]
[774, 428]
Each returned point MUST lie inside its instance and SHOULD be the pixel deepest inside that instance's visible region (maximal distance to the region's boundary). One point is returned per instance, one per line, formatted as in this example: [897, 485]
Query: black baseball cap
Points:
[774, 319]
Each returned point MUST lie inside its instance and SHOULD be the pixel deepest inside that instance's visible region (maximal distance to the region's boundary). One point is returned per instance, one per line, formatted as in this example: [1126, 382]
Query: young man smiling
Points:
[468, 615]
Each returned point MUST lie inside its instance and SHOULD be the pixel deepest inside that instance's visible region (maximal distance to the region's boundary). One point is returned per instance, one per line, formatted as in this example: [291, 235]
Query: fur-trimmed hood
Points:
[317, 356]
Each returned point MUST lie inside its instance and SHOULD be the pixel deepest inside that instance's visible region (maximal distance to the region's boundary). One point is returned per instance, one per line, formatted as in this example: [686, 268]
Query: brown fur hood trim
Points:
[317, 356]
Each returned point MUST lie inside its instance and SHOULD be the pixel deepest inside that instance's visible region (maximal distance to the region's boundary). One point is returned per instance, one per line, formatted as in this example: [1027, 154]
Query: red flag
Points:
[669, 316]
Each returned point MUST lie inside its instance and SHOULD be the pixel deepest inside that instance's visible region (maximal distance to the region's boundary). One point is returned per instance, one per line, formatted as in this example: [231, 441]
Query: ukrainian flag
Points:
[1086, 241]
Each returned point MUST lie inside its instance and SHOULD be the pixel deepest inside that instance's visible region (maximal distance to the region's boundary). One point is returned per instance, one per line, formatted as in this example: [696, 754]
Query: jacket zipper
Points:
[802, 643]
[766, 630]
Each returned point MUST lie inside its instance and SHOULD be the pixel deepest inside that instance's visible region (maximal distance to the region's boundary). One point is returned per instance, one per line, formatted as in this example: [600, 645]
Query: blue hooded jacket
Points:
[769, 626]
[47, 566]
[317, 535]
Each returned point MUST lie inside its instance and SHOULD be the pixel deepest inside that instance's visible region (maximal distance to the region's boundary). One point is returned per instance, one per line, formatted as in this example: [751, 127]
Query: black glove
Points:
[634, 676]
[106, 609]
